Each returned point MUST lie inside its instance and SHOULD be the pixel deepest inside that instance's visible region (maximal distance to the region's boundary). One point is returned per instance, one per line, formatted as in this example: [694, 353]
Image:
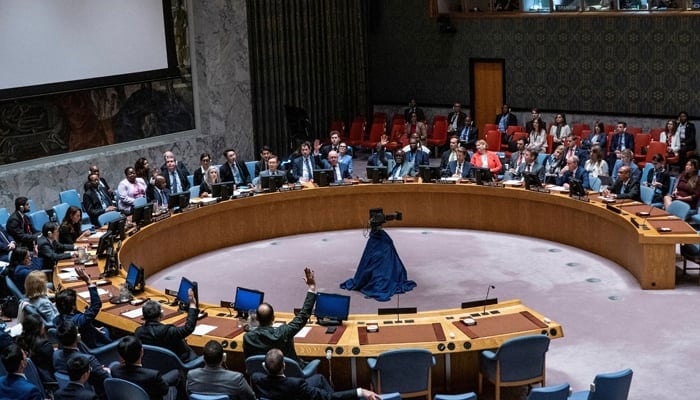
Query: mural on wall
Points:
[56, 124]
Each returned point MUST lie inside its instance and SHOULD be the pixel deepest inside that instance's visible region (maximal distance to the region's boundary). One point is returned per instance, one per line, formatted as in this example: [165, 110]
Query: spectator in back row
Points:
[130, 189]
[233, 170]
[199, 173]
[96, 201]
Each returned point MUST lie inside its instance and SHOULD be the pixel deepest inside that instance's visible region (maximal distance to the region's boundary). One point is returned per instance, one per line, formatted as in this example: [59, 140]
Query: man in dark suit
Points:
[340, 171]
[621, 140]
[504, 120]
[412, 108]
[573, 170]
[214, 378]
[94, 169]
[158, 192]
[333, 146]
[7, 244]
[274, 170]
[455, 119]
[176, 179]
[449, 154]
[169, 155]
[459, 168]
[79, 373]
[96, 200]
[131, 352]
[19, 226]
[171, 337]
[234, 171]
[380, 157]
[67, 334]
[535, 115]
[624, 187]
[304, 165]
[469, 134]
[415, 155]
[531, 166]
[261, 165]
[273, 385]
[15, 385]
[266, 336]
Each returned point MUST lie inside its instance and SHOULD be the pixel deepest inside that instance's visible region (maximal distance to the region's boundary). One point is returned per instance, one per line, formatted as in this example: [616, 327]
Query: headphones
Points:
[21, 208]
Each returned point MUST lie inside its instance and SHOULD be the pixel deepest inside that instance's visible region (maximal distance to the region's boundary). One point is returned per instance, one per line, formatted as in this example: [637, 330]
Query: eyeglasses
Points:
[206, 160]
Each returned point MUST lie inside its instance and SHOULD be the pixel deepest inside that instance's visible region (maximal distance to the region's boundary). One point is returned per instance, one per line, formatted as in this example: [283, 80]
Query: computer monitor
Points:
[376, 173]
[532, 181]
[246, 300]
[104, 246]
[222, 190]
[576, 188]
[482, 175]
[332, 309]
[142, 215]
[183, 299]
[135, 279]
[429, 174]
[272, 183]
[179, 200]
[323, 177]
[118, 228]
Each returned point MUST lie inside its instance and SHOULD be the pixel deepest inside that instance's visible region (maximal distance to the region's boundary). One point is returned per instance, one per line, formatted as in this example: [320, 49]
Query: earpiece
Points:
[21, 208]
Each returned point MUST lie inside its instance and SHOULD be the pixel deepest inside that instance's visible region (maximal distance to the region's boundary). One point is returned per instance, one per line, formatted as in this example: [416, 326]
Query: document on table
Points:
[303, 332]
[68, 274]
[203, 329]
[86, 294]
[135, 313]
[97, 235]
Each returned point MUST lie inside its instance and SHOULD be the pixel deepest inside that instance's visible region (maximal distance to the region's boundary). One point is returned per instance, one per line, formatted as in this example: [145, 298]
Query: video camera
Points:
[377, 217]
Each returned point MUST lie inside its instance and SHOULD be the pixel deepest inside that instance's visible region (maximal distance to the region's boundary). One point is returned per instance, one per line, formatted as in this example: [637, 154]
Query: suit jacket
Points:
[103, 185]
[629, 191]
[664, 178]
[378, 159]
[75, 391]
[494, 163]
[264, 338]
[406, 169]
[179, 165]
[16, 387]
[226, 173]
[445, 158]
[50, 252]
[5, 239]
[580, 174]
[536, 169]
[89, 335]
[344, 172]
[277, 387]
[184, 182]
[92, 204]
[468, 136]
[466, 168]
[619, 138]
[259, 167]
[688, 143]
[152, 195]
[327, 149]
[460, 121]
[511, 119]
[418, 158]
[16, 227]
[298, 165]
[148, 379]
[635, 172]
[170, 336]
[97, 374]
[219, 380]
[198, 176]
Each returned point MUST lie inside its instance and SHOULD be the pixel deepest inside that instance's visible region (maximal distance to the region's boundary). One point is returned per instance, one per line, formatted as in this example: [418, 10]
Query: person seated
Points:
[571, 149]
[659, 178]
[181, 167]
[449, 154]
[415, 126]
[15, 385]
[158, 192]
[340, 171]
[261, 165]
[78, 368]
[131, 369]
[530, 166]
[504, 120]
[573, 170]
[90, 335]
[200, 173]
[596, 137]
[19, 226]
[687, 188]
[171, 337]
[420, 144]
[559, 130]
[380, 156]
[50, 250]
[129, 189]
[94, 170]
[215, 378]
[596, 165]
[35, 342]
[517, 159]
[627, 158]
[345, 156]
[398, 167]
[486, 159]
[333, 146]
[144, 171]
[538, 136]
[70, 230]
[413, 108]
[7, 244]
[36, 290]
[460, 168]
[21, 265]
[469, 134]
[234, 171]
[273, 170]
[621, 140]
[266, 336]
[553, 165]
[274, 385]
[176, 179]
[210, 178]
[96, 201]
[68, 339]
[456, 119]
[304, 165]
[625, 187]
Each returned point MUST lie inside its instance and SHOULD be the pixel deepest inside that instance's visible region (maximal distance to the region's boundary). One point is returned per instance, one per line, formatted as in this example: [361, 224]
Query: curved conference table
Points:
[648, 254]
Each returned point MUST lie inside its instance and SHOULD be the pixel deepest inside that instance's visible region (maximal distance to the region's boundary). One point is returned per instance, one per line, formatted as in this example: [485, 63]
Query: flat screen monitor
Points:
[183, 299]
[482, 175]
[332, 309]
[179, 200]
[134, 278]
[576, 188]
[531, 181]
[272, 183]
[142, 215]
[376, 173]
[247, 299]
[104, 246]
[323, 177]
[222, 190]
[429, 174]
[118, 228]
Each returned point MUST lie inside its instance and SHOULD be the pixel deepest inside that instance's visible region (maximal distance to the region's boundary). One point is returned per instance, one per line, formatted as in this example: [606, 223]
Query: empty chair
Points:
[38, 219]
[251, 167]
[647, 194]
[209, 396]
[461, 396]
[119, 389]
[292, 369]
[690, 252]
[73, 199]
[4, 215]
[60, 211]
[558, 392]
[678, 208]
[108, 217]
[608, 386]
[407, 371]
[519, 361]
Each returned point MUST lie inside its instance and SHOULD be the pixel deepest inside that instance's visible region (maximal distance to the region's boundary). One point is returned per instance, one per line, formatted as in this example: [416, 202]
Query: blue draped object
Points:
[381, 273]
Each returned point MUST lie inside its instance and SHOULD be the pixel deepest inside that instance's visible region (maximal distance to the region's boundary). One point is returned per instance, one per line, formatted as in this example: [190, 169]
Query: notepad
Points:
[68, 275]
[303, 332]
[203, 329]
[133, 313]
[86, 294]
[97, 235]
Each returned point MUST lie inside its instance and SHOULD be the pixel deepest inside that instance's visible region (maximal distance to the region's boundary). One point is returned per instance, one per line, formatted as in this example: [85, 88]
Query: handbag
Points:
[9, 306]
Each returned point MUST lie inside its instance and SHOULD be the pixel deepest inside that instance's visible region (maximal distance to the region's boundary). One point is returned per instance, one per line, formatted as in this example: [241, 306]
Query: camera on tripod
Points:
[377, 217]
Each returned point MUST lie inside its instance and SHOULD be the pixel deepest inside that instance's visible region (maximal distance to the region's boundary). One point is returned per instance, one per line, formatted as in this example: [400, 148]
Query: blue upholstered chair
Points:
[108, 217]
[4, 215]
[678, 208]
[167, 363]
[645, 172]
[140, 201]
[119, 389]
[646, 193]
[558, 392]
[292, 368]
[251, 168]
[461, 396]
[407, 371]
[62, 379]
[106, 354]
[209, 396]
[390, 396]
[73, 199]
[609, 386]
[60, 210]
[519, 361]
[38, 219]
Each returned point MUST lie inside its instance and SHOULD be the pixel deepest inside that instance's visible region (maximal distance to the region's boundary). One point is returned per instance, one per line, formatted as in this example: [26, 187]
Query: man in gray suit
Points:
[213, 378]
[399, 167]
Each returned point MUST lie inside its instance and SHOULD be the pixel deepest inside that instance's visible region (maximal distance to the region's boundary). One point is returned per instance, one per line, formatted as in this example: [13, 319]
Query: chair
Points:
[609, 386]
[578, 129]
[73, 199]
[558, 392]
[647, 194]
[190, 180]
[519, 361]
[38, 219]
[641, 141]
[461, 396]
[635, 130]
[194, 192]
[645, 172]
[357, 131]
[119, 389]
[106, 354]
[167, 363]
[60, 210]
[375, 135]
[595, 184]
[62, 379]
[209, 396]
[439, 136]
[292, 369]
[108, 217]
[338, 125]
[678, 208]
[655, 134]
[493, 140]
[4, 215]
[407, 371]
[490, 127]
[390, 396]
[251, 168]
[690, 252]
[13, 288]
[32, 375]
[140, 201]
[654, 148]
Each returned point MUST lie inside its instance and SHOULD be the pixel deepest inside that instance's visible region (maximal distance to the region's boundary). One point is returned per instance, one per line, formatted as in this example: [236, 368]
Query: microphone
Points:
[329, 354]
[486, 298]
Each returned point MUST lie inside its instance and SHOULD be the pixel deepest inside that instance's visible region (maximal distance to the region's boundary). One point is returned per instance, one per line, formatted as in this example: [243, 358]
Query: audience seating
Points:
[558, 392]
[107, 353]
[251, 168]
[169, 364]
[655, 134]
[62, 379]
[609, 386]
[337, 125]
[407, 371]
[357, 131]
[461, 396]
[4, 215]
[678, 208]
[72, 198]
[108, 217]
[517, 362]
[292, 369]
[647, 194]
[375, 135]
[493, 140]
[194, 191]
[32, 375]
[140, 201]
[690, 252]
[60, 210]
[119, 389]
[190, 180]
[38, 219]
[13, 288]
[209, 396]
[490, 127]
[579, 129]
[439, 135]
[641, 141]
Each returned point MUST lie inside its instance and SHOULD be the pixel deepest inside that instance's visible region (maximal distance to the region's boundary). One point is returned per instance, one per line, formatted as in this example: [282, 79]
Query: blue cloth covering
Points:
[381, 273]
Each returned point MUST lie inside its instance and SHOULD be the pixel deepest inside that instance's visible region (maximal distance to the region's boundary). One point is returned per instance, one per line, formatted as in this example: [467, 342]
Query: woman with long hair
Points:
[559, 130]
[596, 165]
[688, 188]
[211, 177]
[36, 290]
[35, 343]
[538, 137]
[69, 231]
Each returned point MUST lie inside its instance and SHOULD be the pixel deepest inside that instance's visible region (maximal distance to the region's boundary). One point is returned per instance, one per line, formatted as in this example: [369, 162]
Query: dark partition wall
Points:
[627, 64]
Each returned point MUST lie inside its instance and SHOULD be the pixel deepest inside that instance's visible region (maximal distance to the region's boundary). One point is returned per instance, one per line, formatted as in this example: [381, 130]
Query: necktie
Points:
[459, 169]
[173, 182]
[27, 224]
[102, 198]
[163, 199]
[527, 169]
[338, 177]
[309, 172]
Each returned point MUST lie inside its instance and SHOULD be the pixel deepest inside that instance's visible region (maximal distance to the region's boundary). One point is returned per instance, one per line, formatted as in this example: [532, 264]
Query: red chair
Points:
[491, 127]
[550, 144]
[586, 133]
[493, 140]
[634, 130]
[357, 131]
[398, 119]
[579, 128]
[656, 134]
[398, 138]
[641, 141]
[375, 135]
[654, 148]
[610, 128]
[379, 117]
[337, 125]
[439, 136]
[610, 137]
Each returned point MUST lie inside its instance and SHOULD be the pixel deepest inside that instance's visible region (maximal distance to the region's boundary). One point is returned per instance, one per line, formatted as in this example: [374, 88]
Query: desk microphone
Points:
[648, 214]
[329, 355]
[486, 298]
